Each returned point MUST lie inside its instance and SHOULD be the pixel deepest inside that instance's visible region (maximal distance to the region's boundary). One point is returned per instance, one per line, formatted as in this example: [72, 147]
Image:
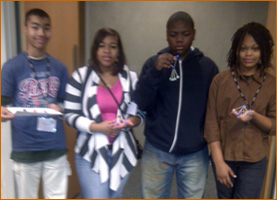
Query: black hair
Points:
[99, 37]
[36, 12]
[180, 16]
[261, 36]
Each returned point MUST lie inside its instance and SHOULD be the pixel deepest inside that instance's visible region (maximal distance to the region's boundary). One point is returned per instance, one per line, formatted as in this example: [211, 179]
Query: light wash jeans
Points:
[91, 186]
[158, 168]
[54, 174]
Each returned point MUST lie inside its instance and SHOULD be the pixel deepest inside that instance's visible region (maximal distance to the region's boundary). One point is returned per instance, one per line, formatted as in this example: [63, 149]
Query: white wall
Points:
[8, 50]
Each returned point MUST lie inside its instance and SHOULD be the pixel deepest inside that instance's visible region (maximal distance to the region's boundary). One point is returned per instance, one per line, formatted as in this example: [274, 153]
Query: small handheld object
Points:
[174, 75]
[119, 122]
[241, 111]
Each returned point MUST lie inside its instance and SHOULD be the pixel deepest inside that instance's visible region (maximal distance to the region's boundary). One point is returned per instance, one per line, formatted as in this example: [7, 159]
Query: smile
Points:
[248, 61]
[106, 58]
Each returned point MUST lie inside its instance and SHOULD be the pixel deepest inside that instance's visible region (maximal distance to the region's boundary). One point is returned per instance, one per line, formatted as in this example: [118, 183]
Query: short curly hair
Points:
[262, 37]
[180, 16]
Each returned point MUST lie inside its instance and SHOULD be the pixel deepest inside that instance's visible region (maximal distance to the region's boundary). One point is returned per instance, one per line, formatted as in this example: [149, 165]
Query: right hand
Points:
[223, 173]
[6, 114]
[164, 61]
[105, 127]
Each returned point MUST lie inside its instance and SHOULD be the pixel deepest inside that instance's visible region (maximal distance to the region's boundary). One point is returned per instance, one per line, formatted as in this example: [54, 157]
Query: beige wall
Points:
[141, 25]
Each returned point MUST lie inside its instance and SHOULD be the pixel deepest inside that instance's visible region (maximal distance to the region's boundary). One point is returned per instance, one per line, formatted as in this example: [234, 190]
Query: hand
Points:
[55, 107]
[164, 61]
[105, 127]
[223, 173]
[122, 124]
[6, 114]
[246, 116]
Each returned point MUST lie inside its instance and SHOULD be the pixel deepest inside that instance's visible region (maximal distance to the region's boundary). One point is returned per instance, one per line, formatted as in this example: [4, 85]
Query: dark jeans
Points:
[249, 181]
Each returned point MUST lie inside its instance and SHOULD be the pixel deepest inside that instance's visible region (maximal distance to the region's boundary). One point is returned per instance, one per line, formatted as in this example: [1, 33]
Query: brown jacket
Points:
[240, 141]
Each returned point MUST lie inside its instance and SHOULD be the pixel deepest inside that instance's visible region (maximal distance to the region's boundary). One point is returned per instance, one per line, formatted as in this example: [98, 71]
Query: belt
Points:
[110, 146]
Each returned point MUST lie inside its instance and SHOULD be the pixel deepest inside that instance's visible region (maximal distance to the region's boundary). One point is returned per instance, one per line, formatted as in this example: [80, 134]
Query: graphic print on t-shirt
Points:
[29, 88]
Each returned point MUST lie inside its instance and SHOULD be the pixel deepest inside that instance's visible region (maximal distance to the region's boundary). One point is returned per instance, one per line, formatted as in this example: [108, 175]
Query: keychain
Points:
[174, 75]
[241, 111]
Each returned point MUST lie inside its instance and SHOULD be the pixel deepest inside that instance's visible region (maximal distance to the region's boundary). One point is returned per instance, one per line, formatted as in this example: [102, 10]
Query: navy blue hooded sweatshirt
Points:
[175, 110]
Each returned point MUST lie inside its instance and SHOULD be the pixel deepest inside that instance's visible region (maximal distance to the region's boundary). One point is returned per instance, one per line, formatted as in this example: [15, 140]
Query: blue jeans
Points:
[158, 168]
[91, 186]
[249, 181]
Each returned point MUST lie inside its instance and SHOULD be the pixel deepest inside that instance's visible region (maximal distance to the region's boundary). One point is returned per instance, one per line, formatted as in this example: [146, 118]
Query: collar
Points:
[124, 79]
[258, 76]
[36, 58]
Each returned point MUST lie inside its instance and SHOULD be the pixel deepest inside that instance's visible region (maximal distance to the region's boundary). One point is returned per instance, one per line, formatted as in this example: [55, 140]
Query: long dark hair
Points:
[262, 37]
[99, 37]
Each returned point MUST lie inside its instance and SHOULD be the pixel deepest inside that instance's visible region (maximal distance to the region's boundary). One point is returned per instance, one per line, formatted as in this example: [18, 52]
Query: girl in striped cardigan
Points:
[105, 149]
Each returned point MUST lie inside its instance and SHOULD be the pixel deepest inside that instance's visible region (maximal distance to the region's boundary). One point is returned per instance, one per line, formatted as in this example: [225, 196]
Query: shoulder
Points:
[271, 77]
[127, 69]
[271, 81]
[223, 75]
[207, 62]
[222, 78]
[153, 58]
[127, 72]
[57, 63]
[83, 69]
[16, 61]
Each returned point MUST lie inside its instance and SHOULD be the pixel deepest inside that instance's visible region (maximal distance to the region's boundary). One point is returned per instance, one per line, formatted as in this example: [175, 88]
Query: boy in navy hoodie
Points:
[173, 90]
[38, 143]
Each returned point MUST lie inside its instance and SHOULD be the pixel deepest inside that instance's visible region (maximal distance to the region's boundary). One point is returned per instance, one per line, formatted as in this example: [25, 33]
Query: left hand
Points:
[122, 124]
[55, 107]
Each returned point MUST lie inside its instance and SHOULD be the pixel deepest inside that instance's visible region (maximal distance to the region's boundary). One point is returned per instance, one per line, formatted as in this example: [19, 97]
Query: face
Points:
[180, 36]
[107, 52]
[38, 32]
[249, 54]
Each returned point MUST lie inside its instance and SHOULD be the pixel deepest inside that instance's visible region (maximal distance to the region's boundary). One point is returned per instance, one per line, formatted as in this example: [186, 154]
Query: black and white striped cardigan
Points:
[81, 109]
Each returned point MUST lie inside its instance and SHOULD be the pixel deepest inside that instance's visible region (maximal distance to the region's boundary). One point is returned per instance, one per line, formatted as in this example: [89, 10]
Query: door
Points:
[67, 46]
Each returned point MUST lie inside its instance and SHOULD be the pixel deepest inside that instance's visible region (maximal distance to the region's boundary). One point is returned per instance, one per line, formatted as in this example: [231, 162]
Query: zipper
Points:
[179, 108]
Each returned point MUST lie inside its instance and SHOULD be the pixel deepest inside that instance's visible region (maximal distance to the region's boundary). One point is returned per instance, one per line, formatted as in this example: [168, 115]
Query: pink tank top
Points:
[107, 104]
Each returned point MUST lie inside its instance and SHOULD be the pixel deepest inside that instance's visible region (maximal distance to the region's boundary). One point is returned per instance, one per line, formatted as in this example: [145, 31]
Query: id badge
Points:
[47, 124]
[132, 109]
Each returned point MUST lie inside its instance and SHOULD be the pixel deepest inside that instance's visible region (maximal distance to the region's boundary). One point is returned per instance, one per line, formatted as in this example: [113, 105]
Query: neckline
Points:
[111, 87]
[36, 58]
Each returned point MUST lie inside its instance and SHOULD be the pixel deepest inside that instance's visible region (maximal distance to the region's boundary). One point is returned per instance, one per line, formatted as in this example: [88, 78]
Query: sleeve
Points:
[148, 85]
[271, 112]
[8, 84]
[5, 101]
[139, 113]
[211, 132]
[73, 104]
[215, 70]
[63, 81]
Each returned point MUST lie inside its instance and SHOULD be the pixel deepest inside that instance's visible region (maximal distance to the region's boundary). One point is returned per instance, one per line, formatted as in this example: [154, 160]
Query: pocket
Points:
[66, 165]
[68, 168]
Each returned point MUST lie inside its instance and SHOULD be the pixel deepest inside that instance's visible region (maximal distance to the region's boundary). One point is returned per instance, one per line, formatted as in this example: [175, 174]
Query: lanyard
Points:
[36, 76]
[242, 95]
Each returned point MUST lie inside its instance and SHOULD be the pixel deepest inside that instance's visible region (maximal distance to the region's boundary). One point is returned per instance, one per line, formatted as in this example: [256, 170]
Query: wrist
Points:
[252, 114]
[93, 127]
